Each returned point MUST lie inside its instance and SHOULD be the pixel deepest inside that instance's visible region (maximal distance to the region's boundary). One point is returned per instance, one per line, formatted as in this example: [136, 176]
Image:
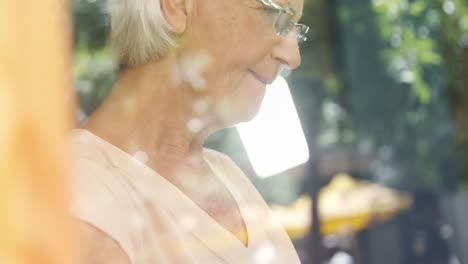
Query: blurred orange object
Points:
[35, 74]
[346, 205]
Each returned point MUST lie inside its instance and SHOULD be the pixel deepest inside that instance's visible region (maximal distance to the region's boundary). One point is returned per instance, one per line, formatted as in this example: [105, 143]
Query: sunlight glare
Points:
[274, 139]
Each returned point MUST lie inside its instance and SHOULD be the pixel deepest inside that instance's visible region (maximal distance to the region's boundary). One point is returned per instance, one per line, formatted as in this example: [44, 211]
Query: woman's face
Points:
[237, 41]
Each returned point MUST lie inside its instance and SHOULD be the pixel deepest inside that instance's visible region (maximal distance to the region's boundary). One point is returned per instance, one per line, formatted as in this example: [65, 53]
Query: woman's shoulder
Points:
[85, 145]
[98, 247]
[91, 173]
[101, 200]
[99, 175]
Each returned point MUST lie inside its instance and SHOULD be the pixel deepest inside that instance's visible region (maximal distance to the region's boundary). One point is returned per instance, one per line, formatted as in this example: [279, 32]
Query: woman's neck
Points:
[149, 111]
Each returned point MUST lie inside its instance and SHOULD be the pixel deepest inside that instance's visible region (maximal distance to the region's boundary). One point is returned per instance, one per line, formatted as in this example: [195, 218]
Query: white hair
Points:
[139, 31]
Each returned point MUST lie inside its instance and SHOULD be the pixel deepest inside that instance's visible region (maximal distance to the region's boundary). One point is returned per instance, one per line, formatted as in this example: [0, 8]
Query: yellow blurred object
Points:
[34, 78]
[345, 205]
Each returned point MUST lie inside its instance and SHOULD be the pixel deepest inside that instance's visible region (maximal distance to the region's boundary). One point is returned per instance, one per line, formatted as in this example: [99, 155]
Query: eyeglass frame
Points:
[301, 28]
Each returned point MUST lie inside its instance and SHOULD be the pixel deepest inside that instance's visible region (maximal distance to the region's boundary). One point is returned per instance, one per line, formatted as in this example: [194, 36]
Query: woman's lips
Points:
[265, 81]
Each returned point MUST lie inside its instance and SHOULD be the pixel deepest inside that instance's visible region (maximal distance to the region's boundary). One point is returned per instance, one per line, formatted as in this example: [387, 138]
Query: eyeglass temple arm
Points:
[271, 4]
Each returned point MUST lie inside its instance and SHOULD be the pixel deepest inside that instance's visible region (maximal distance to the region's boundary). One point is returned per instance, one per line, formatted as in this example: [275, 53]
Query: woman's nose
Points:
[287, 51]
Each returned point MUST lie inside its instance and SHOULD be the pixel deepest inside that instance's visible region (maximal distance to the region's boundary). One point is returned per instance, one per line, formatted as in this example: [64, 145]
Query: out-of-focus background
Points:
[362, 152]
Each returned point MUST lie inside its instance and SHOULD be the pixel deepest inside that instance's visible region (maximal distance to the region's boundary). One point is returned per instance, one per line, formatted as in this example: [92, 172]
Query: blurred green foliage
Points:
[426, 38]
[94, 68]
[390, 87]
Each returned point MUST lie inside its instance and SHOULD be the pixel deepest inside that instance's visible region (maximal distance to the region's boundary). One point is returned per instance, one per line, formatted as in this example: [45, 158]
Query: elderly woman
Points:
[146, 189]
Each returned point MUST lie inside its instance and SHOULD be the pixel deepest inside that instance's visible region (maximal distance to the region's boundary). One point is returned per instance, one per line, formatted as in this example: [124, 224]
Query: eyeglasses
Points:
[284, 21]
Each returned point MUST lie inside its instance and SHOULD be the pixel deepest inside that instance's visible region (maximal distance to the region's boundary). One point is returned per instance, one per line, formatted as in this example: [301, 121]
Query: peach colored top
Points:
[155, 223]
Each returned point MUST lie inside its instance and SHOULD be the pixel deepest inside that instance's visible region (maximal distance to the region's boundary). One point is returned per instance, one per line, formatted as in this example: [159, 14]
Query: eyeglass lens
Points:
[285, 25]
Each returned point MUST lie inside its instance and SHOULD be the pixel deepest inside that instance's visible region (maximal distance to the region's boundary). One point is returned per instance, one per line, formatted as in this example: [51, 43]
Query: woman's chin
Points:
[234, 115]
[249, 115]
[242, 106]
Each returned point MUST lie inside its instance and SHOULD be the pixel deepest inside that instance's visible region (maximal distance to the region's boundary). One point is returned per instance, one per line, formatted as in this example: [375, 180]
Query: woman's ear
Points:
[176, 14]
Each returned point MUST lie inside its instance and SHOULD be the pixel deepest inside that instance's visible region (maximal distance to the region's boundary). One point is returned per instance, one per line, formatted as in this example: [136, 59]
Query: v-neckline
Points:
[207, 226]
[240, 203]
